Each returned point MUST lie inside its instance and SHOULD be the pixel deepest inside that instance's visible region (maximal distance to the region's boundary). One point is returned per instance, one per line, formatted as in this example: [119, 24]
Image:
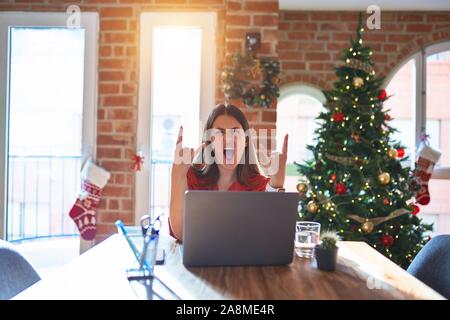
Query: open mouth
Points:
[228, 155]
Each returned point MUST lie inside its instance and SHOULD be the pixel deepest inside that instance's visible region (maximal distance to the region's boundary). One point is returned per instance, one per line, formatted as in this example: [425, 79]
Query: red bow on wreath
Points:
[138, 160]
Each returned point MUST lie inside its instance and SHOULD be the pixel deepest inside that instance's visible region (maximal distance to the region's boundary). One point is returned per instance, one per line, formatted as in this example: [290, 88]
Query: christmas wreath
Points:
[238, 80]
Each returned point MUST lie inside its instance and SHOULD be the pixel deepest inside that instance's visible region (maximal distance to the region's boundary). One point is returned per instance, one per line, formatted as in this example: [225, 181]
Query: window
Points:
[297, 110]
[420, 89]
[48, 120]
[177, 87]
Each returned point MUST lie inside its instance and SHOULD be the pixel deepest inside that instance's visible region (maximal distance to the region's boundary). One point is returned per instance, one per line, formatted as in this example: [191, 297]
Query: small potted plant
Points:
[326, 251]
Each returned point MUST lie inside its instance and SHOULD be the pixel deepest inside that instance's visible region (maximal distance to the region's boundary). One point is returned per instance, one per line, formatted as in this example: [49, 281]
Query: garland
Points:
[346, 161]
[376, 221]
[237, 80]
[358, 64]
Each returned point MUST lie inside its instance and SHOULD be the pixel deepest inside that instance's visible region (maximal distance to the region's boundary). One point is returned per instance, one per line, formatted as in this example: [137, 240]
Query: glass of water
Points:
[306, 237]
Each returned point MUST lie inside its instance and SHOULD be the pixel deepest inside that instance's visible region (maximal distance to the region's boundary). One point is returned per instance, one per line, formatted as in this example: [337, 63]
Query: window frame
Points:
[90, 22]
[302, 88]
[149, 20]
[295, 88]
[420, 101]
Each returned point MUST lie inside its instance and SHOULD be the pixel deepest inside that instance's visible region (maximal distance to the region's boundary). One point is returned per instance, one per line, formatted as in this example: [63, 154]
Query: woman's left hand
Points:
[277, 179]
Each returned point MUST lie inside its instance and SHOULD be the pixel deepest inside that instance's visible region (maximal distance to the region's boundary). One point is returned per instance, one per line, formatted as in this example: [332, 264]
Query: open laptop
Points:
[239, 228]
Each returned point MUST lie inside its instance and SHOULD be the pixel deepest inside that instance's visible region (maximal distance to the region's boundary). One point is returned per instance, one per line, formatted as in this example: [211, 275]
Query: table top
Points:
[362, 273]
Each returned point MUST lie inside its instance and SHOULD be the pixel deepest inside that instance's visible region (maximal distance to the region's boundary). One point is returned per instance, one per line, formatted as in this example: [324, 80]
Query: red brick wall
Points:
[310, 43]
[250, 16]
[118, 68]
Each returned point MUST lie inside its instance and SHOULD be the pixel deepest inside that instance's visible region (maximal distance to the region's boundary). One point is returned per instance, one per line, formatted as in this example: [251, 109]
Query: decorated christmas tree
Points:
[359, 182]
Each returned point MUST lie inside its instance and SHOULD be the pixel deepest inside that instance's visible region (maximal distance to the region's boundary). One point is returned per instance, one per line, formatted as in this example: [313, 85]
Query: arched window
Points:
[420, 91]
[297, 109]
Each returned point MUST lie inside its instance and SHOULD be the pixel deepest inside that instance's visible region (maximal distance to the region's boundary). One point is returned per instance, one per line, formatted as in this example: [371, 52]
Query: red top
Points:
[195, 182]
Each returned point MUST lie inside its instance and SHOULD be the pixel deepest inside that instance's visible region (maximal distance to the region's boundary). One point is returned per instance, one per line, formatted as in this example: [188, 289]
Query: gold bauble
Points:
[225, 74]
[227, 87]
[392, 154]
[263, 97]
[312, 207]
[302, 187]
[384, 178]
[275, 80]
[358, 82]
[367, 227]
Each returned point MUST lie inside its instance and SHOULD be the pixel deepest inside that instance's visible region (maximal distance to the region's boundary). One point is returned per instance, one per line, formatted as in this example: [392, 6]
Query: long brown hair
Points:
[244, 171]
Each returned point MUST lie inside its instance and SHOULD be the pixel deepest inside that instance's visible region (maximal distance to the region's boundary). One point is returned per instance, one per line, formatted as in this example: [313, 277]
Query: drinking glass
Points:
[306, 237]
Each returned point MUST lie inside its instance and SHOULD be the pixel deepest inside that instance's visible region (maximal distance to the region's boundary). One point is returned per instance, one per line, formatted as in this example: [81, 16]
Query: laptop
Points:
[223, 228]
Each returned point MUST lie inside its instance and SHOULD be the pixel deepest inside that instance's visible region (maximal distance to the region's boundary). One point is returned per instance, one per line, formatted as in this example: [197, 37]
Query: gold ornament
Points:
[384, 178]
[312, 207]
[256, 69]
[225, 74]
[227, 87]
[302, 187]
[392, 154]
[356, 137]
[263, 97]
[367, 227]
[358, 82]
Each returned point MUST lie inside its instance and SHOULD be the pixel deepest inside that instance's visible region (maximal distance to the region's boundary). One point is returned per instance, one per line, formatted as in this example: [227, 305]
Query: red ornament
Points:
[338, 116]
[333, 177]
[340, 188]
[138, 160]
[415, 209]
[400, 152]
[382, 95]
[386, 201]
[387, 117]
[387, 240]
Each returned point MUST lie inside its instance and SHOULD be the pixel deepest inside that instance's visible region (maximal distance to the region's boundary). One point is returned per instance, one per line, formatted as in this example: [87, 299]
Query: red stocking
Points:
[427, 158]
[93, 179]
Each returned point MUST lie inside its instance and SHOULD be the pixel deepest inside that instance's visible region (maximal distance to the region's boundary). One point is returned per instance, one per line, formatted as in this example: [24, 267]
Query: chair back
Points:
[432, 265]
[16, 273]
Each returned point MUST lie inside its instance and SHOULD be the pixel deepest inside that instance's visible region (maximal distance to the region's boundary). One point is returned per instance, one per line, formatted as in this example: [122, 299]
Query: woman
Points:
[231, 165]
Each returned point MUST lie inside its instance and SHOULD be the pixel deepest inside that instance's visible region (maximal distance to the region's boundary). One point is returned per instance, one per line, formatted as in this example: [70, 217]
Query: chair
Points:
[432, 265]
[16, 273]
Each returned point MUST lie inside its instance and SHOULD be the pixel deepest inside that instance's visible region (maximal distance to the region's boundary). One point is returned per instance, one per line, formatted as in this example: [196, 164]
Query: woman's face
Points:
[228, 141]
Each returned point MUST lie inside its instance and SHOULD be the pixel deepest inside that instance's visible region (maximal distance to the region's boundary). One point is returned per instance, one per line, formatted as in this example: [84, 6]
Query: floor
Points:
[47, 255]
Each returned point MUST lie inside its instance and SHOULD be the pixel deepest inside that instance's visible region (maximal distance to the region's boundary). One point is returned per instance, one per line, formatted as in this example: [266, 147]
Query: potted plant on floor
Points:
[326, 251]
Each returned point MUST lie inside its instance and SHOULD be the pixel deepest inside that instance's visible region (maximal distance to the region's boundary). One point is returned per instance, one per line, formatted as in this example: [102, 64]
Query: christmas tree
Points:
[359, 182]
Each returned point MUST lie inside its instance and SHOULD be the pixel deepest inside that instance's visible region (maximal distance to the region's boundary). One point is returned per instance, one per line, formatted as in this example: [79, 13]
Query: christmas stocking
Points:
[427, 158]
[93, 179]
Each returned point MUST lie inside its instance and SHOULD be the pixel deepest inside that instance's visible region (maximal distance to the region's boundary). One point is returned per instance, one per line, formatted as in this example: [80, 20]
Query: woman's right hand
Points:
[183, 157]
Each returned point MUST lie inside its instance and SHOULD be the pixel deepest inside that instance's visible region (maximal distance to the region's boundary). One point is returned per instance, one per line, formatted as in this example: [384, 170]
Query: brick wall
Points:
[310, 43]
[118, 68]
[248, 16]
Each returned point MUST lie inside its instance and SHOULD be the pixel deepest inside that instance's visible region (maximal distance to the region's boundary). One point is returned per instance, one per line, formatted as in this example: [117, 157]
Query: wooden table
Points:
[362, 273]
